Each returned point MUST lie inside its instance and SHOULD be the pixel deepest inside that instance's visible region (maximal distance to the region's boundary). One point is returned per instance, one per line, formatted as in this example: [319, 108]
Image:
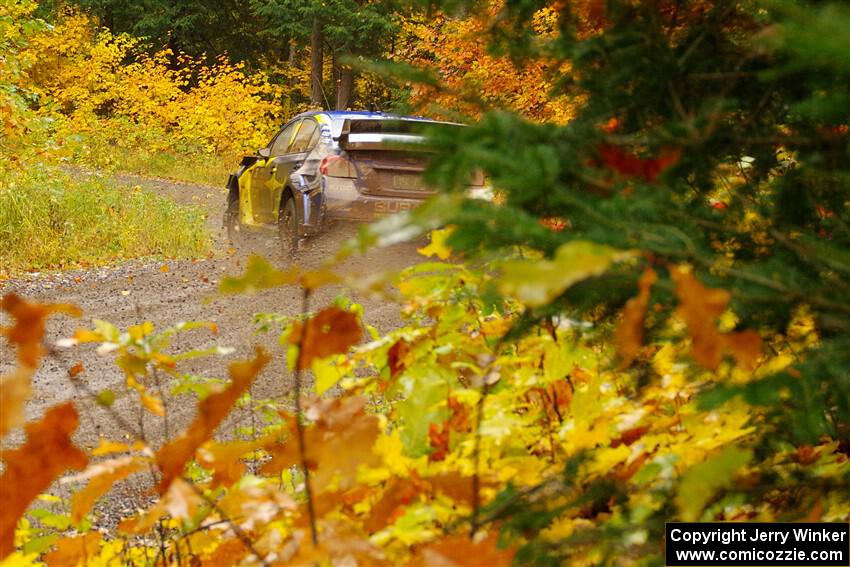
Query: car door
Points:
[265, 184]
[303, 141]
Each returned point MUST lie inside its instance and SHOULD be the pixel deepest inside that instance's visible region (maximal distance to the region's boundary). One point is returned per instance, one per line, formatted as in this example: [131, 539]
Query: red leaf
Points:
[632, 166]
[438, 438]
[396, 357]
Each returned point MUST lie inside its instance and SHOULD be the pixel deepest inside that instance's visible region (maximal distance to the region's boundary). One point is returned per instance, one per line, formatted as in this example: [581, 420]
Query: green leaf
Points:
[538, 282]
[700, 483]
[425, 389]
[50, 520]
[106, 398]
[39, 544]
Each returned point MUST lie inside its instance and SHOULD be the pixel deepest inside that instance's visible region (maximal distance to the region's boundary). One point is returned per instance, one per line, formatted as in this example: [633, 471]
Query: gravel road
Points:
[187, 291]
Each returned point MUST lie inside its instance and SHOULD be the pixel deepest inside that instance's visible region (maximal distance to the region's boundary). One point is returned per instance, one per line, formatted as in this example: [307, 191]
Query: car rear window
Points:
[385, 126]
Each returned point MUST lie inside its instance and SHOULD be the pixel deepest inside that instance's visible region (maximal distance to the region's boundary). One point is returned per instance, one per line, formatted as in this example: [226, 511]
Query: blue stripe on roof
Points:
[342, 114]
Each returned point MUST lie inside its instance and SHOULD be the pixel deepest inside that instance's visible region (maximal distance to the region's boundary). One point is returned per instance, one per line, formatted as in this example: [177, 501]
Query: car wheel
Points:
[231, 221]
[287, 225]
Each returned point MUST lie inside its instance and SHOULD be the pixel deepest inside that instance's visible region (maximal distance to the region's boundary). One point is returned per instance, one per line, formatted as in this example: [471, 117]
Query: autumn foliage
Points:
[91, 96]
[438, 427]
[473, 79]
[650, 323]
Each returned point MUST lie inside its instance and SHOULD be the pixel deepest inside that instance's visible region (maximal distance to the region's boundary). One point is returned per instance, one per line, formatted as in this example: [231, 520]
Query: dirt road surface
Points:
[140, 291]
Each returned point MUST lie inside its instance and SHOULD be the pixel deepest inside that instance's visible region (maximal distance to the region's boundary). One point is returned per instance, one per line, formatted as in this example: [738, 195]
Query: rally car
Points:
[331, 165]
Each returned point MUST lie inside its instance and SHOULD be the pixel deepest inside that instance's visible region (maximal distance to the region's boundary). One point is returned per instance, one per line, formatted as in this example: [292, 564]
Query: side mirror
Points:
[264, 153]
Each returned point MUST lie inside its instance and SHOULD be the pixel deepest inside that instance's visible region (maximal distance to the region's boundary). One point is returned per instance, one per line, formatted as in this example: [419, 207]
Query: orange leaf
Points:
[28, 329]
[225, 459]
[700, 307]
[745, 347]
[336, 444]
[330, 331]
[341, 440]
[553, 398]
[101, 477]
[455, 486]
[32, 467]
[459, 550]
[182, 501]
[230, 552]
[340, 543]
[399, 492]
[629, 334]
[74, 550]
[172, 457]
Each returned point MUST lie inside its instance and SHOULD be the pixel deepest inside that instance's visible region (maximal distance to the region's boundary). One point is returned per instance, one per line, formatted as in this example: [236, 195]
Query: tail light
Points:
[337, 166]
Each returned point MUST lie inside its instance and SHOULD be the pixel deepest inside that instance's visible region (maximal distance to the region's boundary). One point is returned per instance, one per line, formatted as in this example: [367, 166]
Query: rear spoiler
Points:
[377, 141]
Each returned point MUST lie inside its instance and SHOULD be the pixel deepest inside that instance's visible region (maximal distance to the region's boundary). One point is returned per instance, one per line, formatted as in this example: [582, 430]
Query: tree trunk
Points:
[344, 87]
[316, 64]
[292, 55]
[109, 19]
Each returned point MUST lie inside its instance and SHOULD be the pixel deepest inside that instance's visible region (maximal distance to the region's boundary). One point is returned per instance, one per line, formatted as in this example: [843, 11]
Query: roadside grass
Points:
[118, 145]
[50, 220]
[201, 168]
[192, 165]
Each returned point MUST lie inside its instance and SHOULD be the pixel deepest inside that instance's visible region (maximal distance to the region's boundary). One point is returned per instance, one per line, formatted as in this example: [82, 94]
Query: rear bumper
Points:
[344, 200]
[366, 208]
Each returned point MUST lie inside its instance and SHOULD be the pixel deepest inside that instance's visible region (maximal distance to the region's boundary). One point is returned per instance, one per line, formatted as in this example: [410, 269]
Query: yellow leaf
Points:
[437, 247]
[327, 372]
[107, 447]
[138, 332]
[536, 283]
[153, 404]
[702, 481]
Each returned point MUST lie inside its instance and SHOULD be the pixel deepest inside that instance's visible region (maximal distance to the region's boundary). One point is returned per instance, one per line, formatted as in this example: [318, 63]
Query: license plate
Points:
[408, 182]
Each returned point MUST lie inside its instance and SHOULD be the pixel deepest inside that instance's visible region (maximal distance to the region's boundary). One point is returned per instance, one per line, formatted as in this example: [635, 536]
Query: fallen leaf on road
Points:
[76, 370]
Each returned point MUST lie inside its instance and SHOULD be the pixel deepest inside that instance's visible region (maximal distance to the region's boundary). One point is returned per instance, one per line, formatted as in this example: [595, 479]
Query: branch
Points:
[299, 424]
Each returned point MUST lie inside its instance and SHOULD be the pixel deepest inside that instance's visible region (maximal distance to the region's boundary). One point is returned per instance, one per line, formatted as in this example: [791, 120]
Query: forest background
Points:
[649, 324]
